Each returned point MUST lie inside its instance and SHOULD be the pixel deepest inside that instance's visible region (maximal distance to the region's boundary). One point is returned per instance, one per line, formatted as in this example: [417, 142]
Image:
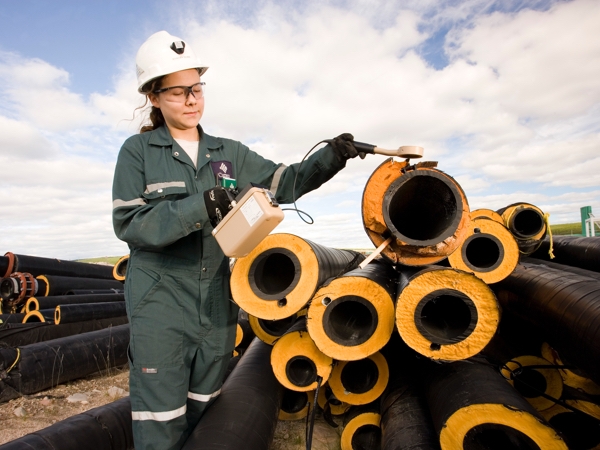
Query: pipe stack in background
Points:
[86, 332]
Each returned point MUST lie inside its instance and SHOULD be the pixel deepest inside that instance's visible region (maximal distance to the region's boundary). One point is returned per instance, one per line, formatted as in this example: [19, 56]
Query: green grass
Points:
[106, 259]
[566, 228]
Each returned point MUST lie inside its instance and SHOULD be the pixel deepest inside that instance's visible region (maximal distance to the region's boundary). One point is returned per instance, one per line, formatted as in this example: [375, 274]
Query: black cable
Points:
[295, 208]
[310, 424]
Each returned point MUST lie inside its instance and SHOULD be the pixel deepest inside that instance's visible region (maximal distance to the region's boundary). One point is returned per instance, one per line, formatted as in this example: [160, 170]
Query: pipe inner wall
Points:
[301, 371]
[422, 208]
[526, 223]
[367, 437]
[350, 320]
[360, 376]
[445, 316]
[483, 252]
[581, 432]
[491, 436]
[274, 274]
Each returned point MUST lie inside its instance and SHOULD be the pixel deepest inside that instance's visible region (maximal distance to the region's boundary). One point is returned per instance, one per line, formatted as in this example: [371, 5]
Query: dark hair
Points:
[156, 116]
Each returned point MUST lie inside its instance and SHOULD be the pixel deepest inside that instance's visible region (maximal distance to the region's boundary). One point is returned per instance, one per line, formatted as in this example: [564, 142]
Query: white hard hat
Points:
[163, 54]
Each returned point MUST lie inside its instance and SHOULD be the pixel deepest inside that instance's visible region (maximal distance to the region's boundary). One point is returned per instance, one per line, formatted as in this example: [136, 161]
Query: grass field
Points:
[102, 259]
[566, 228]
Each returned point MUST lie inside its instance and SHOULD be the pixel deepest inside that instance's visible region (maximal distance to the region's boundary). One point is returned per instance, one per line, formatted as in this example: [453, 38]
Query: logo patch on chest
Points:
[222, 169]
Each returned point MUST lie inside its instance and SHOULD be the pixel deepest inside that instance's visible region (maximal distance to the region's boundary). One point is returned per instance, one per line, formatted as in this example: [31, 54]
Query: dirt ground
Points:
[27, 414]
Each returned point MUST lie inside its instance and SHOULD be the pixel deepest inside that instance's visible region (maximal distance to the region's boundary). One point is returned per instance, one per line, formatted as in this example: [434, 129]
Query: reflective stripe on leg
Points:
[203, 397]
[159, 416]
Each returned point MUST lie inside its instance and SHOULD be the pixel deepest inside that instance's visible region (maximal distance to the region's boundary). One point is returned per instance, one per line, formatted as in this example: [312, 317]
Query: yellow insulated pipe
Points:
[269, 331]
[362, 429]
[352, 316]
[295, 405]
[120, 268]
[328, 401]
[534, 383]
[446, 314]
[581, 428]
[490, 252]
[360, 382]
[280, 276]
[472, 407]
[297, 362]
[423, 210]
[569, 376]
[488, 213]
[527, 223]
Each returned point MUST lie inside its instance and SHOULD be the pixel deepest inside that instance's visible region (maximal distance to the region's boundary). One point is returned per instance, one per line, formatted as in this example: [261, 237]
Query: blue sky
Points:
[505, 95]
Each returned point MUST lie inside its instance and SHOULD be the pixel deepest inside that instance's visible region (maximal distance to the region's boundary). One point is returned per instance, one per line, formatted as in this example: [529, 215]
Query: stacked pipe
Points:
[417, 216]
[87, 331]
[28, 276]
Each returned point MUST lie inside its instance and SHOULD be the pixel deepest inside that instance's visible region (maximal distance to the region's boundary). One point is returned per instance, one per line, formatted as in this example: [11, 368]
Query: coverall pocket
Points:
[156, 320]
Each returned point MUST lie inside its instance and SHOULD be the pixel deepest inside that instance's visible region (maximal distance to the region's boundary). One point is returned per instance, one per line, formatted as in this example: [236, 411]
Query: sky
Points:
[505, 95]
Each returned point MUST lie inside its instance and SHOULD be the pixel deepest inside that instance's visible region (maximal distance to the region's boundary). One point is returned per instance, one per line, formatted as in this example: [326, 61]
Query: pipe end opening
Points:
[422, 209]
[274, 274]
[445, 316]
[350, 320]
[491, 436]
[301, 371]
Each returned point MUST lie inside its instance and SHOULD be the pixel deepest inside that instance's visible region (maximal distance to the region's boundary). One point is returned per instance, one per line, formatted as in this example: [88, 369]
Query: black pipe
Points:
[423, 207]
[10, 318]
[405, 419]
[94, 291]
[107, 427]
[245, 329]
[43, 315]
[294, 405]
[47, 364]
[48, 285]
[473, 407]
[55, 300]
[20, 334]
[88, 311]
[362, 428]
[245, 414]
[563, 267]
[49, 266]
[582, 252]
[527, 224]
[565, 305]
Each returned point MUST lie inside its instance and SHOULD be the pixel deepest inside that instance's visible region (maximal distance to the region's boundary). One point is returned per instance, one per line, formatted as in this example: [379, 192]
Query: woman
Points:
[177, 285]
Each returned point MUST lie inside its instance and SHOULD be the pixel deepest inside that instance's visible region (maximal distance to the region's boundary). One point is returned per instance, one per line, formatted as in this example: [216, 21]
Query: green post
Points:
[585, 215]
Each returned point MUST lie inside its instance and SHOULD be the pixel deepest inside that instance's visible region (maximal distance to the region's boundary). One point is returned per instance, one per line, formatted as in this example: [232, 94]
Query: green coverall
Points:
[177, 285]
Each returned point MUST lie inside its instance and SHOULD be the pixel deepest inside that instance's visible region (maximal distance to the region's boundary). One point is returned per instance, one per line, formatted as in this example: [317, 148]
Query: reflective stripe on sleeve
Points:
[118, 203]
[156, 186]
[203, 397]
[276, 178]
[159, 416]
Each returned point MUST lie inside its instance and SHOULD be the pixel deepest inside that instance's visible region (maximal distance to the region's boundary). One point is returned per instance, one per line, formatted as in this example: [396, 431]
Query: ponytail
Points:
[156, 116]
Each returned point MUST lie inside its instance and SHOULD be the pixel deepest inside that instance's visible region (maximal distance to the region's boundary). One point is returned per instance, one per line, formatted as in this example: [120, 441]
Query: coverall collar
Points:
[161, 137]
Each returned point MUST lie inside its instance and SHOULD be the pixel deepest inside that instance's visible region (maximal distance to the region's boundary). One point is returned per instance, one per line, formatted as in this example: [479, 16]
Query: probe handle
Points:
[406, 151]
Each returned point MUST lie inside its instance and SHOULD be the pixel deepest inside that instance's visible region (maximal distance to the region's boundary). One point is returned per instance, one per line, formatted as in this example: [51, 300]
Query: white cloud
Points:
[518, 102]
